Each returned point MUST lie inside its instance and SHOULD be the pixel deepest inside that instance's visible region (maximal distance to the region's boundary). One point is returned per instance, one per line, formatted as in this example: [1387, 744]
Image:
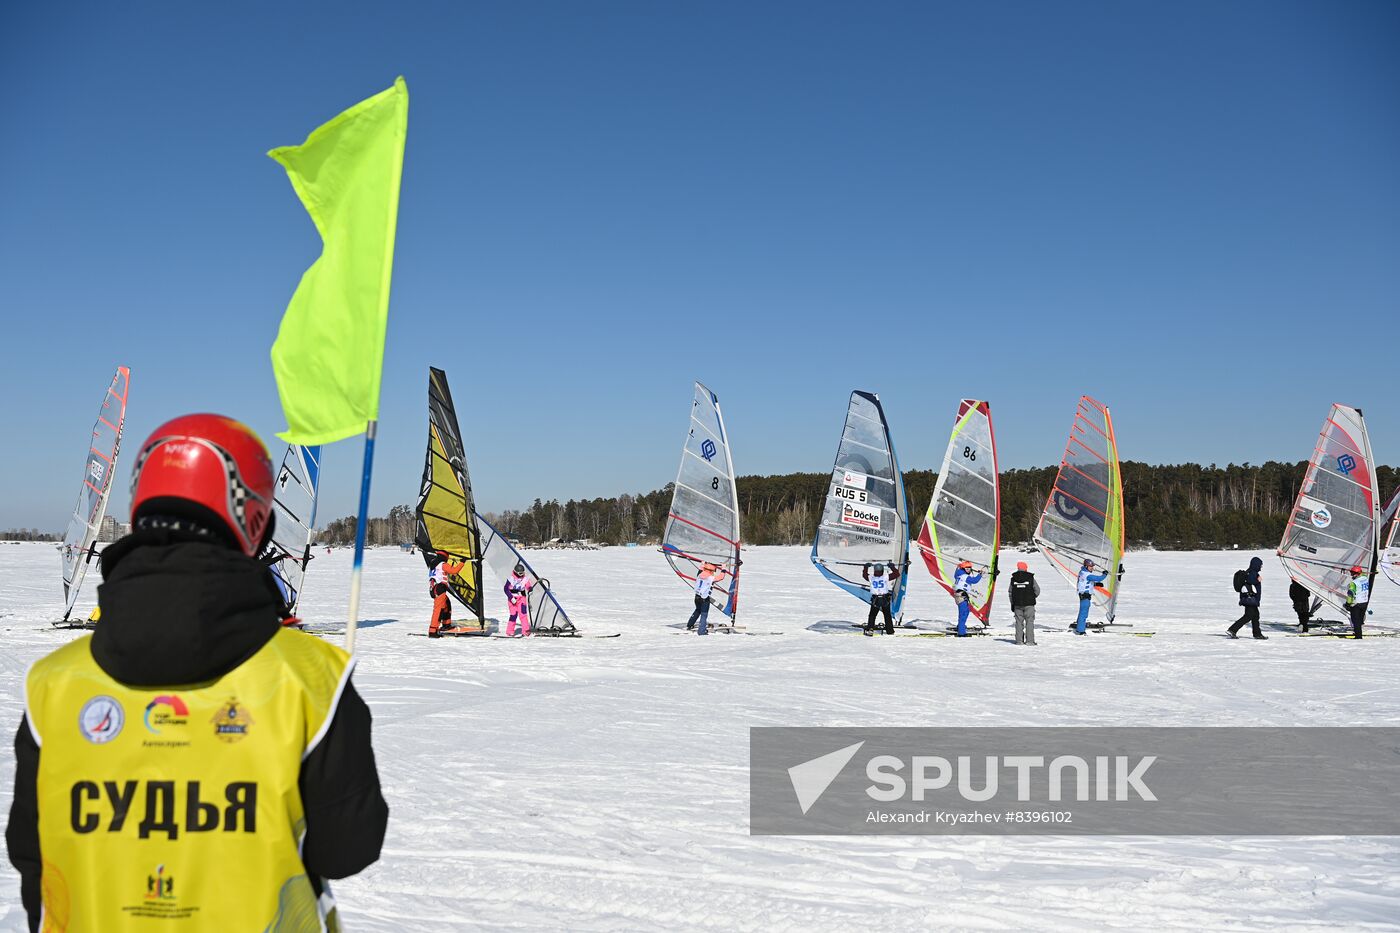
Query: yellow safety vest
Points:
[177, 808]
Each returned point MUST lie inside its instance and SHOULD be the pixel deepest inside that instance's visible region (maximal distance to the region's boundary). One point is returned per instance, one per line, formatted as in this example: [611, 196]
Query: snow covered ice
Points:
[602, 784]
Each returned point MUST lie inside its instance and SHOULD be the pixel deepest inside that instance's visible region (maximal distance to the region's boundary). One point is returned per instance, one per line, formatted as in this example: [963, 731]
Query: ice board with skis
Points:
[445, 516]
[294, 504]
[1335, 522]
[865, 514]
[99, 471]
[702, 525]
[963, 522]
[1083, 515]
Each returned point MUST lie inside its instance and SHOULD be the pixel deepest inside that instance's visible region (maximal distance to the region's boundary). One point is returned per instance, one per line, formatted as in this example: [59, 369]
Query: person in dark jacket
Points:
[1024, 591]
[1249, 599]
[234, 704]
[1302, 599]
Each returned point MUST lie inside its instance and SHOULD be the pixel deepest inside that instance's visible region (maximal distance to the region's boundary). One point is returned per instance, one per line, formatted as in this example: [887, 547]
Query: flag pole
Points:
[360, 524]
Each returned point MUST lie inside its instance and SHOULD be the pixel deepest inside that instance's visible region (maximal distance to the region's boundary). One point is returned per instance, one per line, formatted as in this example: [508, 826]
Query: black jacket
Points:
[1301, 596]
[1249, 593]
[1023, 589]
[180, 611]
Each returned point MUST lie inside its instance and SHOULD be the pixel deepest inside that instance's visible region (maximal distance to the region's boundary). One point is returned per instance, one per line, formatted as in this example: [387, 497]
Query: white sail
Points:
[98, 473]
[703, 524]
[1335, 524]
[865, 519]
[547, 617]
[294, 503]
[964, 516]
[1083, 515]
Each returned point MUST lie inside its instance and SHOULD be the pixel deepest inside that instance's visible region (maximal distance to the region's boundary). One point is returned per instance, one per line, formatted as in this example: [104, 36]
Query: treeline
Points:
[28, 534]
[1170, 507]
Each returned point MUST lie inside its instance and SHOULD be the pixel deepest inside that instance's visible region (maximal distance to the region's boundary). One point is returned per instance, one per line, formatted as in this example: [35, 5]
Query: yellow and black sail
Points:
[446, 517]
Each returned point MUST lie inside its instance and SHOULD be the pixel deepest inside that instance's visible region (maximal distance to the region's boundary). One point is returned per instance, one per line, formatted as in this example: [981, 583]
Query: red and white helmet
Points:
[209, 469]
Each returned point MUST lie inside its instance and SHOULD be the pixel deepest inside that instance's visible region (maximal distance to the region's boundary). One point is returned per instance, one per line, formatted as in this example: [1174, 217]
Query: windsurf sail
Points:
[79, 544]
[445, 515]
[964, 516]
[547, 617]
[703, 524]
[1335, 523]
[1390, 554]
[865, 519]
[1083, 515]
[294, 503]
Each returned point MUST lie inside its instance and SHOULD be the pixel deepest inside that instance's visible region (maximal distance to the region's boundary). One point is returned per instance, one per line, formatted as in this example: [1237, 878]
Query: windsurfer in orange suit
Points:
[437, 588]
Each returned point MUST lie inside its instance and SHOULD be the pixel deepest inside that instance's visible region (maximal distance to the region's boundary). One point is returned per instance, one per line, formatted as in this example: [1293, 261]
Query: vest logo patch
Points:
[166, 710]
[160, 886]
[231, 722]
[101, 720]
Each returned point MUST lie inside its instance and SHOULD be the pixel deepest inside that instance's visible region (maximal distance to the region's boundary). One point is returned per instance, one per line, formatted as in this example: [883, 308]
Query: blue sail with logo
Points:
[294, 502]
[703, 523]
[865, 517]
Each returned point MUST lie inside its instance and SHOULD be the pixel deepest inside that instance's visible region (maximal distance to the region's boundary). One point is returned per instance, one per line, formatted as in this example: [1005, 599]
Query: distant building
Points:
[112, 530]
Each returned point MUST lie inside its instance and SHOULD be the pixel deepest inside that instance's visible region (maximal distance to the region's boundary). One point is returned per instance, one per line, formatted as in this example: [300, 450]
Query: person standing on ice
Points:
[1250, 592]
[963, 582]
[192, 741]
[442, 570]
[1302, 598]
[518, 597]
[1024, 592]
[705, 581]
[881, 594]
[1086, 583]
[1358, 599]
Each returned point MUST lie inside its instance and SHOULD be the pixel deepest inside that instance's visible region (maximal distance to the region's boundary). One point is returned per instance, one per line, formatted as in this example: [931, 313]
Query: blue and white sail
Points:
[294, 502]
[547, 617]
[703, 524]
[865, 519]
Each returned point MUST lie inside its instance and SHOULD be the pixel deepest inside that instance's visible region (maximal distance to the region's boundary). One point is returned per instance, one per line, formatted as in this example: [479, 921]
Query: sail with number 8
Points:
[703, 524]
[865, 518]
[1083, 515]
[1335, 524]
[963, 522]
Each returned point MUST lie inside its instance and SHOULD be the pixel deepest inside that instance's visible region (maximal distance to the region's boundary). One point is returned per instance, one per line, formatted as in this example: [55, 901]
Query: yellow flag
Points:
[329, 353]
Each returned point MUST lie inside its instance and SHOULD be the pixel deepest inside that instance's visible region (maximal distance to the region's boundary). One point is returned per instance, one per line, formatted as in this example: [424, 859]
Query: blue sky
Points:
[1189, 210]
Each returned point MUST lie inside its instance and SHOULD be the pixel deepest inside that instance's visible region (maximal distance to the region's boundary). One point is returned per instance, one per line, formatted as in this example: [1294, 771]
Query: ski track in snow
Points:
[602, 784]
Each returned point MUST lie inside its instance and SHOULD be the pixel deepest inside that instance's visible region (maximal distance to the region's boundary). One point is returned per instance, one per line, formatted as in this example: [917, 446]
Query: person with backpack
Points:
[881, 594]
[193, 764]
[1301, 598]
[1248, 585]
[1024, 591]
[1358, 599]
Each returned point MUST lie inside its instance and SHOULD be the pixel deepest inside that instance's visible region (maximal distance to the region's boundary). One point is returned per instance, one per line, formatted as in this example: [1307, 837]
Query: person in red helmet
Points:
[442, 568]
[193, 757]
[1358, 599]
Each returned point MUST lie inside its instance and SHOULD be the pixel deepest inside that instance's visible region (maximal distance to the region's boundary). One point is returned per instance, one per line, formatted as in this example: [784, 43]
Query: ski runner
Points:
[881, 593]
[437, 589]
[1358, 599]
[518, 597]
[705, 581]
[963, 581]
[1085, 584]
[225, 759]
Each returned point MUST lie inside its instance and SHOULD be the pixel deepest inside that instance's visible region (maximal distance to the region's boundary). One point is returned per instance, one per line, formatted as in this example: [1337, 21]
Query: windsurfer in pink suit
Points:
[518, 596]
